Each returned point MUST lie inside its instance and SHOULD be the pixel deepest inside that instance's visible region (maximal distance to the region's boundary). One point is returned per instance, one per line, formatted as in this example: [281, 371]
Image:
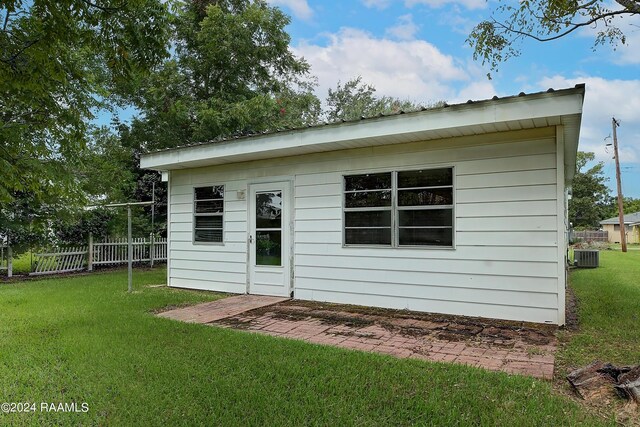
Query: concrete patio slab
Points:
[220, 309]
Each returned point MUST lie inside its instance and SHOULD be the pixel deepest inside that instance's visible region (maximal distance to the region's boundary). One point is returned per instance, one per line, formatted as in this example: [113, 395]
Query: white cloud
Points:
[377, 4]
[605, 99]
[622, 54]
[405, 29]
[478, 89]
[414, 69]
[629, 53]
[469, 4]
[299, 8]
[457, 21]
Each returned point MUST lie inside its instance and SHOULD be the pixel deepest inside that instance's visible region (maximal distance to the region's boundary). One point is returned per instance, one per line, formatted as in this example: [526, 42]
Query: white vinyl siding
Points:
[208, 267]
[504, 264]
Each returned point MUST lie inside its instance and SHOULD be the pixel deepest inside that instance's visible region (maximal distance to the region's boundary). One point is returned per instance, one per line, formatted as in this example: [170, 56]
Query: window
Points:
[367, 209]
[425, 207]
[208, 213]
[405, 208]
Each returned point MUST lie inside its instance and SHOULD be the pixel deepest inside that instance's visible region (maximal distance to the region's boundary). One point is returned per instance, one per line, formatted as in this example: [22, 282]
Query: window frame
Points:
[395, 209]
[215, 214]
[389, 209]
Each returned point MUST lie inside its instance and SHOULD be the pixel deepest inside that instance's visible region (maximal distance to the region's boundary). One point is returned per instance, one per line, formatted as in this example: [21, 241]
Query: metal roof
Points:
[628, 219]
[240, 136]
[562, 108]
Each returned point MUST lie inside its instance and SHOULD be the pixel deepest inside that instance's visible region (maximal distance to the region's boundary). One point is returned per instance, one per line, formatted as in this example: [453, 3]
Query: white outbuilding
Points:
[460, 209]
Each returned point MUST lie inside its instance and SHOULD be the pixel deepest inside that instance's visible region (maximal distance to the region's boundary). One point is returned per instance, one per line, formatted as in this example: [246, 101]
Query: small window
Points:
[367, 213]
[208, 213]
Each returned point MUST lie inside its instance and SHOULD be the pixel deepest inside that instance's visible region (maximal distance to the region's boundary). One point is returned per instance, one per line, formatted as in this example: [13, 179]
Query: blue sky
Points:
[416, 49]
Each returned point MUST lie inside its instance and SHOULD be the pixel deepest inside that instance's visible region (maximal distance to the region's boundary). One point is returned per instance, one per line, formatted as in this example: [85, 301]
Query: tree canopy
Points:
[590, 199]
[60, 61]
[232, 73]
[201, 70]
[355, 99]
[629, 205]
[497, 39]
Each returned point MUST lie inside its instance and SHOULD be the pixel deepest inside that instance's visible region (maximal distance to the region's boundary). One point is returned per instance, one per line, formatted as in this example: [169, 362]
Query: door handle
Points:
[250, 239]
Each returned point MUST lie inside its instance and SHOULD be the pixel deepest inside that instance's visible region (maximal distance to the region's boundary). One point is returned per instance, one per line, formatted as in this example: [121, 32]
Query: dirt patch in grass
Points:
[234, 322]
[571, 310]
[606, 407]
[326, 317]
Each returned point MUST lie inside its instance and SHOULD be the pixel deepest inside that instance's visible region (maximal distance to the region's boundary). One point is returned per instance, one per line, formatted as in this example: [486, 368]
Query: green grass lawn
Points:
[608, 312]
[84, 339]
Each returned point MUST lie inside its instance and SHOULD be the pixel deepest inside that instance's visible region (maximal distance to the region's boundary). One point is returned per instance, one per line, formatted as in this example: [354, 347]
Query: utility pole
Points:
[623, 234]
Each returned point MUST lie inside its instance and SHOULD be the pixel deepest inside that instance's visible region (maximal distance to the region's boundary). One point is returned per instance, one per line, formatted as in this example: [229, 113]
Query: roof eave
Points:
[562, 106]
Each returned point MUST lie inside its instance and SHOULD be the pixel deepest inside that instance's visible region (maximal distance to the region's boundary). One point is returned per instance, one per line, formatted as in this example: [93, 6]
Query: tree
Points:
[590, 200]
[61, 61]
[629, 205]
[496, 40]
[110, 155]
[356, 99]
[233, 73]
[26, 220]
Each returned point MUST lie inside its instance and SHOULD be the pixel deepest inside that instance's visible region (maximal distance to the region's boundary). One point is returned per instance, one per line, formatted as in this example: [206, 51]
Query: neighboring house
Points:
[459, 209]
[631, 228]
[635, 233]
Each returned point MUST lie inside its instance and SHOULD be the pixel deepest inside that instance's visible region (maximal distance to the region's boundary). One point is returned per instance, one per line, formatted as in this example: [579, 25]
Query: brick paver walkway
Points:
[498, 346]
[220, 309]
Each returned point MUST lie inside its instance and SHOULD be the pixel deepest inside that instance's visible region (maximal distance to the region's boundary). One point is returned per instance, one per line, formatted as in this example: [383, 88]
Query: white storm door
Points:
[269, 239]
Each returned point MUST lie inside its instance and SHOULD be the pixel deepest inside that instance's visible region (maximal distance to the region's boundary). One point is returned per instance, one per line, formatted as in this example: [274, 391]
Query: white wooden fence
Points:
[590, 236]
[59, 260]
[116, 251]
[108, 252]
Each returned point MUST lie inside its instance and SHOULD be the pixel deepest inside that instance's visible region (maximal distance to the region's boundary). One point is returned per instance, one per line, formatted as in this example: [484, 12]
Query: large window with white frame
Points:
[208, 214]
[399, 208]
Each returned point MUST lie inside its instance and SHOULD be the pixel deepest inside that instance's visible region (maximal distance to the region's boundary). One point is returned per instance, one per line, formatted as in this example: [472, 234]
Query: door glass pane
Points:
[269, 209]
[269, 247]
